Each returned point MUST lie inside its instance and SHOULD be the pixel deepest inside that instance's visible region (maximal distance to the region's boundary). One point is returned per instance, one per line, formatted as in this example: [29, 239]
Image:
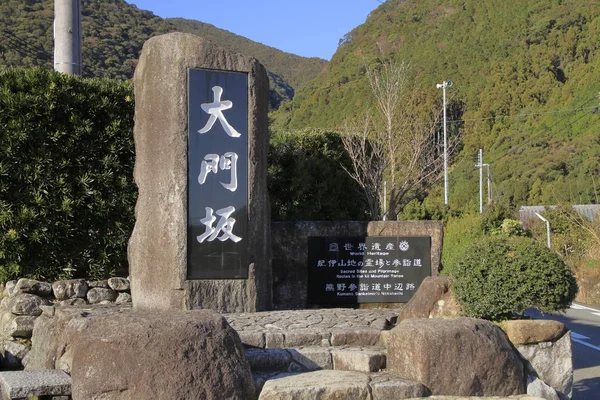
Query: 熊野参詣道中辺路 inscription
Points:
[376, 269]
[217, 174]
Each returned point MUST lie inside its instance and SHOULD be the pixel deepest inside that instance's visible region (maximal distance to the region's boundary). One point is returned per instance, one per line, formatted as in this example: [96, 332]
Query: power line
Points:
[13, 42]
[28, 45]
[24, 48]
[533, 138]
[521, 115]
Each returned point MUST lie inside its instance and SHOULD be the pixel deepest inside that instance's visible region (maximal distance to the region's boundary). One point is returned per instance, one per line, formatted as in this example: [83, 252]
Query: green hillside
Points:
[296, 70]
[114, 32]
[526, 74]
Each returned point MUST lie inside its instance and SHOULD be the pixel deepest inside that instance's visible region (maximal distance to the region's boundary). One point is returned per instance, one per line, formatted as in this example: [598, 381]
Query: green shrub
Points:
[425, 210]
[510, 227]
[459, 233]
[306, 179]
[66, 164]
[499, 276]
[494, 216]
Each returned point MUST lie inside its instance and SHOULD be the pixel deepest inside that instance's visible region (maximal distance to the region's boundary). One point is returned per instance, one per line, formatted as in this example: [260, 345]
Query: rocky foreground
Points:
[420, 351]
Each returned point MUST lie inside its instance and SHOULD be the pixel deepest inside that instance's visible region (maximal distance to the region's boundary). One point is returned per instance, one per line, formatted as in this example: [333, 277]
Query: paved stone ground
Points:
[317, 319]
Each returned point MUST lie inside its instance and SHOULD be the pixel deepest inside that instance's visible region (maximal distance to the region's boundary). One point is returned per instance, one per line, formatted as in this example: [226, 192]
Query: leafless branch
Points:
[368, 160]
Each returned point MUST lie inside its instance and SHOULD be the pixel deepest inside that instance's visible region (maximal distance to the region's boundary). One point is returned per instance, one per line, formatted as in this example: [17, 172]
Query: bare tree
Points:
[403, 130]
[368, 160]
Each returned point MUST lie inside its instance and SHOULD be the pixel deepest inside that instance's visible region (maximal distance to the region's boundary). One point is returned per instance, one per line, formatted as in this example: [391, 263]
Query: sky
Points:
[308, 28]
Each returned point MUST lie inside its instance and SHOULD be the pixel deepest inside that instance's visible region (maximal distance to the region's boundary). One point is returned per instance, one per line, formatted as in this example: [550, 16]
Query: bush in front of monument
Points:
[67, 194]
[498, 277]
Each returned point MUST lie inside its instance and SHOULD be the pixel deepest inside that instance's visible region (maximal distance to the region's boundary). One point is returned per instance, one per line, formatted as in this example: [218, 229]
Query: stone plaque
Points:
[217, 174]
[373, 269]
[202, 233]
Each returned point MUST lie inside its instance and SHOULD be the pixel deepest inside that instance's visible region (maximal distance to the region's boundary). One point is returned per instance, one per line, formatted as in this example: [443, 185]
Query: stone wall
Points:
[23, 302]
[290, 251]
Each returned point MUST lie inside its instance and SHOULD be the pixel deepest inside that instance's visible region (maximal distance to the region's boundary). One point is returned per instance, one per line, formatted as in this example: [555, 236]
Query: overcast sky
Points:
[309, 28]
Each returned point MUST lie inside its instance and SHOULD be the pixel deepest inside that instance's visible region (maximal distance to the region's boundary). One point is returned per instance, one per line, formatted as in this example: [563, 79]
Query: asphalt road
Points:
[584, 323]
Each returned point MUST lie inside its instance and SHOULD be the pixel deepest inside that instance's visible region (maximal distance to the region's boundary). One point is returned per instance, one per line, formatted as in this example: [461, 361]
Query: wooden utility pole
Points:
[67, 36]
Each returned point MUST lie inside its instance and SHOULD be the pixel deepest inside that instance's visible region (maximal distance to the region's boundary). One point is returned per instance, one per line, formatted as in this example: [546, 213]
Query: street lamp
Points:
[547, 229]
[443, 86]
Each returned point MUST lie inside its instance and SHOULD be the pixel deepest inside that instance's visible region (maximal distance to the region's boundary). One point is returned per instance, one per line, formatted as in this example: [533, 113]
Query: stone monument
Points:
[202, 231]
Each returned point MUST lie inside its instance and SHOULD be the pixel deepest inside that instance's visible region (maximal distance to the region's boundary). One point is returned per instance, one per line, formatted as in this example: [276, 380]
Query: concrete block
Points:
[302, 338]
[23, 384]
[252, 338]
[358, 359]
[356, 337]
[268, 359]
[312, 358]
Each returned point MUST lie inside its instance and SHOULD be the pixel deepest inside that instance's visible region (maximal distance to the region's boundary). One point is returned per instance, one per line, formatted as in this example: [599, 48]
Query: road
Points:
[584, 323]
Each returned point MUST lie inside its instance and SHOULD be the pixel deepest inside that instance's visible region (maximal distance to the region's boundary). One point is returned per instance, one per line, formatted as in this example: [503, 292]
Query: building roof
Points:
[589, 211]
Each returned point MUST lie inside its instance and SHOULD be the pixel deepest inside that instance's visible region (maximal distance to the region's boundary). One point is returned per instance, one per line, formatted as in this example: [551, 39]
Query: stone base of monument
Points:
[343, 353]
[121, 354]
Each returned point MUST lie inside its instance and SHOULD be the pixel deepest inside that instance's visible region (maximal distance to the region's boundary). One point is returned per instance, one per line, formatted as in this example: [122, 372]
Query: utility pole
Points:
[480, 159]
[480, 165]
[443, 86]
[489, 184]
[67, 36]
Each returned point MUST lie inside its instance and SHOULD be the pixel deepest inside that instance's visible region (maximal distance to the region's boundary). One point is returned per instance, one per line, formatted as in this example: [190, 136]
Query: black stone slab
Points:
[373, 269]
[217, 175]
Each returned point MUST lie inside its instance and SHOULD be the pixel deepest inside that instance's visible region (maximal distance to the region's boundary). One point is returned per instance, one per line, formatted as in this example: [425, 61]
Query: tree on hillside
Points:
[399, 143]
[368, 160]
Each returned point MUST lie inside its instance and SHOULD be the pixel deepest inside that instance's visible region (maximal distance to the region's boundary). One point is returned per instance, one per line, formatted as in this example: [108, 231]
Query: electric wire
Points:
[31, 47]
[25, 49]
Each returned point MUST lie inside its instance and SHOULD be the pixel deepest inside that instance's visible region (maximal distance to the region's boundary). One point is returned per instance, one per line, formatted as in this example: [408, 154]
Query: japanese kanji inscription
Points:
[217, 175]
[375, 269]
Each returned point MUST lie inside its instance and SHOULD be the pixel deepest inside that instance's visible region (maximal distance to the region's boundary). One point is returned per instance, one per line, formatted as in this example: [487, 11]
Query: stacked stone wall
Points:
[23, 301]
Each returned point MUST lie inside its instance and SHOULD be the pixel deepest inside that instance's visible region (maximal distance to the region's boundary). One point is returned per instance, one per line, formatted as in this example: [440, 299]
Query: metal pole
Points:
[445, 151]
[480, 181]
[67, 36]
[547, 229]
[443, 86]
[489, 184]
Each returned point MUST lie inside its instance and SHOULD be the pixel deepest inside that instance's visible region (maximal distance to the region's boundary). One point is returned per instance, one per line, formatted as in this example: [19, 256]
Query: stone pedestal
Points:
[158, 248]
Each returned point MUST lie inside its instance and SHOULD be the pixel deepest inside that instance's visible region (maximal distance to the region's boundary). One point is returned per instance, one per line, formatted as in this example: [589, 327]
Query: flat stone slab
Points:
[338, 385]
[317, 385]
[385, 386]
[516, 397]
[24, 384]
[313, 358]
[319, 327]
[363, 359]
[319, 320]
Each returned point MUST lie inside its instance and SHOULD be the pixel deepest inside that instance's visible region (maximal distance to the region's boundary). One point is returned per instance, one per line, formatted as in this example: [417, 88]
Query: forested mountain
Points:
[526, 79]
[114, 32]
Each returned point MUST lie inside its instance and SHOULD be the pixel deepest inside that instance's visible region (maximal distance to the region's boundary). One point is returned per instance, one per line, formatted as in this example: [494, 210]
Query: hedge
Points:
[307, 181]
[66, 189]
